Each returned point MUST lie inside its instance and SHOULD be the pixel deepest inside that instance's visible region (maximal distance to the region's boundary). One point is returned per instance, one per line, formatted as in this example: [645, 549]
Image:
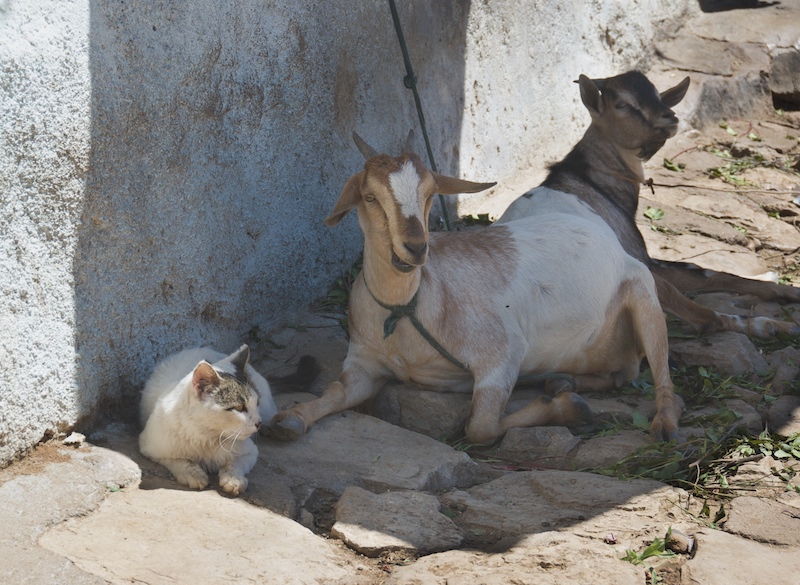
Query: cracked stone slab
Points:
[535, 501]
[598, 452]
[723, 559]
[72, 481]
[776, 233]
[694, 54]
[764, 521]
[784, 415]
[150, 536]
[373, 524]
[435, 414]
[748, 417]
[552, 444]
[350, 448]
[729, 352]
[786, 363]
[784, 79]
[548, 558]
[776, 26]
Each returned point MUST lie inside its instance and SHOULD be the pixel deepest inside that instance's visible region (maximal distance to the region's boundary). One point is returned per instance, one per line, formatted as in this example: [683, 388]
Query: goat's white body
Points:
[543, 201]
[559, 290]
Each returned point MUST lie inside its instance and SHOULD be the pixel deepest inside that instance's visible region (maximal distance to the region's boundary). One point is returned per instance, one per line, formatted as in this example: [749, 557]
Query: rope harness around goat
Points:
[397, 312]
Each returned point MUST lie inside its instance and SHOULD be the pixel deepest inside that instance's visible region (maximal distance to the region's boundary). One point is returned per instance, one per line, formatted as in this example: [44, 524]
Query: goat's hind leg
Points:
[688, 277]
[566, 408]
[707, 320]
[486, 422]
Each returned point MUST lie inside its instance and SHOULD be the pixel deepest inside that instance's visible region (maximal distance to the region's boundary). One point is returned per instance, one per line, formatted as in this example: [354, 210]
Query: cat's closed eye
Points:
[239, 408]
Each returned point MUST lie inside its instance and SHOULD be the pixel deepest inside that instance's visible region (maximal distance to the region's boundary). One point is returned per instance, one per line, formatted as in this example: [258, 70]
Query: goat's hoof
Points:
[556, 386]
[287, 426]
[664, 432]
[574, 409]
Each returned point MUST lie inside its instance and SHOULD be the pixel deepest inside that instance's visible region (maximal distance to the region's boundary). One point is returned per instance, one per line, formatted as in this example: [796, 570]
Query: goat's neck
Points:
[386, 283]
[609, 157]
[597, 171]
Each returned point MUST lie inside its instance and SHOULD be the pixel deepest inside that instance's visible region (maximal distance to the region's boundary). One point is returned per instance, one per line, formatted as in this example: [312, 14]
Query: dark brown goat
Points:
[631, 120]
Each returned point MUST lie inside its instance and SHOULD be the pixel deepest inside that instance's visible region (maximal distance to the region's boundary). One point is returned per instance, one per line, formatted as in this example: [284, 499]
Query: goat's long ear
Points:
[590, 95]
[451, 186]
[350, 197]
[674, 95]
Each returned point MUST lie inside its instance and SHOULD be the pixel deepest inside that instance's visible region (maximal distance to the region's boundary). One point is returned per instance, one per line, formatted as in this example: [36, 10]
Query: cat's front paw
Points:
[233, 484]
[194, 477]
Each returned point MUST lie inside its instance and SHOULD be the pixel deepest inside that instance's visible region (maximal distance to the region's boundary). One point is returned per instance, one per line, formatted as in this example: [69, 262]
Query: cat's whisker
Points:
[230, 438]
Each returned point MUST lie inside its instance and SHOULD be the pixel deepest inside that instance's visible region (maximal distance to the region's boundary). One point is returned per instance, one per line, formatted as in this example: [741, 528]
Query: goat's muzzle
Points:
[416, 256]
[668, 124]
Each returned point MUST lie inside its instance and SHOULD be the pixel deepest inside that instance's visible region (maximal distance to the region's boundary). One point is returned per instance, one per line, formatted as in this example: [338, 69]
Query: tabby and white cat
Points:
[199, 409]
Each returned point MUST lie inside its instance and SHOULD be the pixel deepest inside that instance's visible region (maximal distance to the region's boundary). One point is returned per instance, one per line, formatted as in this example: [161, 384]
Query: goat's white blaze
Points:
[404, 184]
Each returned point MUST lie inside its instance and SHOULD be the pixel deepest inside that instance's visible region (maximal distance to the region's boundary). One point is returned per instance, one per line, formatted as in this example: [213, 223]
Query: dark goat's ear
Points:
[590, 95]
[674, 95]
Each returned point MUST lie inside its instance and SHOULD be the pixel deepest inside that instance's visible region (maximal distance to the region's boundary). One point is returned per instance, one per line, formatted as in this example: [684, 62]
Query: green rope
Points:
[410, 81]
[397, 312]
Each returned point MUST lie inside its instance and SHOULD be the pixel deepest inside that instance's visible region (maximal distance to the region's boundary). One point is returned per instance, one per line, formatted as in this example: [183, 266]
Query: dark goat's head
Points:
[631, 112]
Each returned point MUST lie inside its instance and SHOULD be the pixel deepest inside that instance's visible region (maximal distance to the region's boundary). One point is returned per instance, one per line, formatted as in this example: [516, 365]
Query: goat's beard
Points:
[650, 148]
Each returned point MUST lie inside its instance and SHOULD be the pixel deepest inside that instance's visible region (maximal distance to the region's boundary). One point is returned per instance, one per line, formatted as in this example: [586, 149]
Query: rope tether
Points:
[410, 81]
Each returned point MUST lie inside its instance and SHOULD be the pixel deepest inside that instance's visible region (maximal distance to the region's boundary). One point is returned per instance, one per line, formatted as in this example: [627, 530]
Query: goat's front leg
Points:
[355, 385]
[488, 403]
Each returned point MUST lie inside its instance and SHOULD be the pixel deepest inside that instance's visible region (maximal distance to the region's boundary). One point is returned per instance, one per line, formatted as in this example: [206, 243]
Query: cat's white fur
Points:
[192, 438]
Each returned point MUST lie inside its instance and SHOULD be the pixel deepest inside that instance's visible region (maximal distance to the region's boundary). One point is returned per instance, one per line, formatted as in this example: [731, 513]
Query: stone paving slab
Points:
[408, 521]
[169, 536]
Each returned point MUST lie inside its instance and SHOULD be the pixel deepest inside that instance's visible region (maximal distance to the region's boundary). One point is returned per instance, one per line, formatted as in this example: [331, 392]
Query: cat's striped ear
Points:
[240, 358]
[204, 378]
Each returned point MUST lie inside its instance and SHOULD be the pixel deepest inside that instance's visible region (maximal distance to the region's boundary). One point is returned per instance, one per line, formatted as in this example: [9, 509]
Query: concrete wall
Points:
[165, 165]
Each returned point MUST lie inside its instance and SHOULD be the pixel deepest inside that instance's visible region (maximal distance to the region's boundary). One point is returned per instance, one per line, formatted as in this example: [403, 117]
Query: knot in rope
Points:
[396, 312]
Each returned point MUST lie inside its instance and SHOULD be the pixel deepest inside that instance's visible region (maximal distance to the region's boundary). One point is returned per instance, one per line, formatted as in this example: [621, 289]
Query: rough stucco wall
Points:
[44, 139]
[166, 165]
[220, 140]
[523, 109]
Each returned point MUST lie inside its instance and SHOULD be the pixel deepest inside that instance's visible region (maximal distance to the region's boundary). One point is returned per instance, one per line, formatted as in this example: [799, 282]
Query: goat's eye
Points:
[369, 197]
[621, 105]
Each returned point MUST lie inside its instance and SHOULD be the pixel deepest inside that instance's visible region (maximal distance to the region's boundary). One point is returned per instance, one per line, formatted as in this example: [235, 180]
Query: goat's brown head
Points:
[393, 197]
[631, 112]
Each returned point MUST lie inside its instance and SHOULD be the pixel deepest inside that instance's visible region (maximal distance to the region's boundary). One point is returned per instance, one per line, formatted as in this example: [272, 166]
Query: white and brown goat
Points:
[555, 293]
[630, 122]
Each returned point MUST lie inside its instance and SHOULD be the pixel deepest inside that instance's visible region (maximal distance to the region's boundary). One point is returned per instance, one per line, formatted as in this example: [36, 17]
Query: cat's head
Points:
[229, 395]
